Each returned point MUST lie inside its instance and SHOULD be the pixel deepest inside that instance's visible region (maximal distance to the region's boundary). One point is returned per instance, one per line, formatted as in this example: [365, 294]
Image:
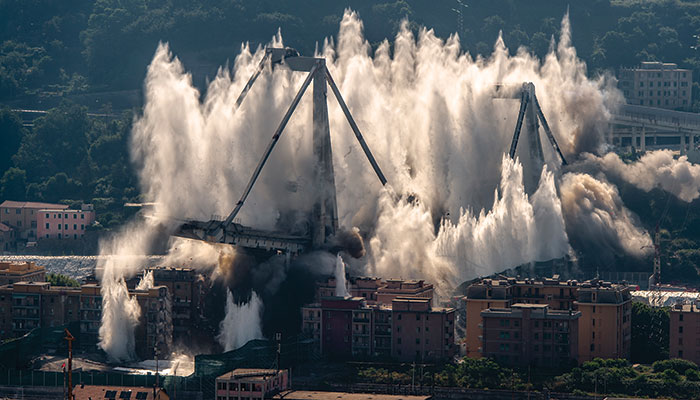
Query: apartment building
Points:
[187, 290]
[530, 334]
[154, 333]
[376, 290]
[11, 272]
[25, 306]
[409, 329]
[22, 216]
[251, 384]
[90, 314]
[605, 327]
[55, 223]
[602, 303]
[657, 84]
[684, 332]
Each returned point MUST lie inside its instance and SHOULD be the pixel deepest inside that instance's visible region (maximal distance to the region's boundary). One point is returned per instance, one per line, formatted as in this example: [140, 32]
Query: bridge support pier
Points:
[325, 213]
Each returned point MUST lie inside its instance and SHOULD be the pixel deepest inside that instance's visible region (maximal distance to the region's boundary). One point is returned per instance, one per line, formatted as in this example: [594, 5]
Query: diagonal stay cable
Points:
[354, 127]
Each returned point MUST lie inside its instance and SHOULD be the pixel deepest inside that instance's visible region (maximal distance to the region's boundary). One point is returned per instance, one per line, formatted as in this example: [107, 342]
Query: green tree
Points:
[11, 132]
[61, 280]
[13, 184]
[649, 333]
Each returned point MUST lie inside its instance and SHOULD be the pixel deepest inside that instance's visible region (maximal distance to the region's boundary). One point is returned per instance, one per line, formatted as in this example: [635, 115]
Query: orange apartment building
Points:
[684, 332]
[530, 334]
[11, 272]
[605, 327]
[251, 384]
[22, 216]
[607, 304]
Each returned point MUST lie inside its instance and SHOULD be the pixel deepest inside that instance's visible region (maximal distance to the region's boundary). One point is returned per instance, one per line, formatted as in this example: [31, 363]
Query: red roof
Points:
[32, 204]
[4, 228]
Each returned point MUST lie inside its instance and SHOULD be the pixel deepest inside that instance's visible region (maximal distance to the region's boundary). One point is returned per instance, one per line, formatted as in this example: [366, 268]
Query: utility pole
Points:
[70, 339]
[155, 352]
[278, 338]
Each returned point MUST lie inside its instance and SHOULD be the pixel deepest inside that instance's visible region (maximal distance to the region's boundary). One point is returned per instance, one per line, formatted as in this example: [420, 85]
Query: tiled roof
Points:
[31, 204]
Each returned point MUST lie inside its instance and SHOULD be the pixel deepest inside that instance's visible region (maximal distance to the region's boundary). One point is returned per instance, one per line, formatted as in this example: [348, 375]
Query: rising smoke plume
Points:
[427, 112]
[656, 169]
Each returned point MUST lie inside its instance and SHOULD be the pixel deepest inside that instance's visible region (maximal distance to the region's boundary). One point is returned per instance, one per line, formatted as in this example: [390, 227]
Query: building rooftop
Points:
[85, 392]
[249, 373]
[32, 204]
[686, 308]
[315, 395]
[13, 268]
[4, 228]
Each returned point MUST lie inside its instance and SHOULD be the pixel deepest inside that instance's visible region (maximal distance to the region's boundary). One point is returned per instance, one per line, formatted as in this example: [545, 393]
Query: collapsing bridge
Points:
[324, 215]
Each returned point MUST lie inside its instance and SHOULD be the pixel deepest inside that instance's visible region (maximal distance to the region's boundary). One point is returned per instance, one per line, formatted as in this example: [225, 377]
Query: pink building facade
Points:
[64, 224]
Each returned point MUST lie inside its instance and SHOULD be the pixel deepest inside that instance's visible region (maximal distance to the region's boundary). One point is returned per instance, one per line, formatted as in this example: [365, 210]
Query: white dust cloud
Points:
[427, 112]
[242, 322]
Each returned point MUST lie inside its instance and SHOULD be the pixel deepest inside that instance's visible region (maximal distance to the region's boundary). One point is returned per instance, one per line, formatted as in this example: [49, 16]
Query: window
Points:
[75, 216]
[47, 235]
[399, 317]
[82, 226]
[680, 329]
[593, 321]
[592, 347]
[398, 341]
[82, 216]
[75, 227]
[680, 353]
[680, 317]
[75, 236]
[141, 395]
[417, 317]
[59, 235]
[66, 216]
[7, 211]
[18, 211]
[537, 324]
[111, 394]
[47, 216]
[47, 225]
[680, 341]
[593, 308]
[417, 341]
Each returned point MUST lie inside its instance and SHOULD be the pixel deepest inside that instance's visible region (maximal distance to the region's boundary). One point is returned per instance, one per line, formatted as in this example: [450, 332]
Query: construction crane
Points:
[324, 216]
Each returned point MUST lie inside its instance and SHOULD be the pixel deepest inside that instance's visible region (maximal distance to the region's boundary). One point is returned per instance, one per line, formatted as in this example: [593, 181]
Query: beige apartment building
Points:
[657, 84]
